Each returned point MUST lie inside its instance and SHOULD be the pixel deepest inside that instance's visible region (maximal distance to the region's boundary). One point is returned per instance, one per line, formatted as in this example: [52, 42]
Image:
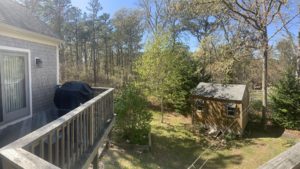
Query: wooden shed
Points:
[221, 107]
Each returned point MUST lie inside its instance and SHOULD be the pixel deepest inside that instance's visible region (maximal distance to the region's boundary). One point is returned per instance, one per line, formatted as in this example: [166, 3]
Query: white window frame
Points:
[14, 49]
[58, 65]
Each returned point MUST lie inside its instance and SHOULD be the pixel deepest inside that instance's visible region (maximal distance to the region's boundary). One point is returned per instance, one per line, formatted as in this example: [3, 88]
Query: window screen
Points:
[231, 109]
[200, 105]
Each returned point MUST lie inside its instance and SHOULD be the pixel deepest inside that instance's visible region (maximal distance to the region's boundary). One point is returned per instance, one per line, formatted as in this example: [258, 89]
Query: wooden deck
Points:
[289, 159]
[71, 141]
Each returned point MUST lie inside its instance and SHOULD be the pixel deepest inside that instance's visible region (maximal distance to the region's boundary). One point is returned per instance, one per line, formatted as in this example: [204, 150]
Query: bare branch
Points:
[252, 21]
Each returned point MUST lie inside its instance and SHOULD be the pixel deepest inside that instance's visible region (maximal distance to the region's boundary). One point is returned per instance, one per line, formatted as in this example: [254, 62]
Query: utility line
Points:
[217, 138]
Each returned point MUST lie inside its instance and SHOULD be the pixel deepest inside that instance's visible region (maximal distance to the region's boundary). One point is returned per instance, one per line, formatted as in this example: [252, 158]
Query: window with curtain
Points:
[13, 81]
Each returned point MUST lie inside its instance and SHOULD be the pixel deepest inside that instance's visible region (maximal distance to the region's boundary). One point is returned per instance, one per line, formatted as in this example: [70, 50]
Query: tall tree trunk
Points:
[77, 55]
[94, 69]
[106, 59]
[112, 66]
[162, 110]
[94, 54]
[298, 58]
[62, 62]
[85, 58]
[265, 76]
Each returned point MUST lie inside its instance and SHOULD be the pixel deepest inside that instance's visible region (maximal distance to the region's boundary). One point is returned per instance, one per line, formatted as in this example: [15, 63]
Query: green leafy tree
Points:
[286, 101]
[166, 72]
[133, 118]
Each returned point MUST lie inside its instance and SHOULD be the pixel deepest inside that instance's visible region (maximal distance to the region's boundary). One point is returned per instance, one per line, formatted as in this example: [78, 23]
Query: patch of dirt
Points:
[291, 134]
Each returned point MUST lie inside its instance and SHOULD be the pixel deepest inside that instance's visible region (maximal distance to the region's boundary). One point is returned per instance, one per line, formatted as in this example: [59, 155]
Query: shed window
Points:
[231, 110]
[200, 105]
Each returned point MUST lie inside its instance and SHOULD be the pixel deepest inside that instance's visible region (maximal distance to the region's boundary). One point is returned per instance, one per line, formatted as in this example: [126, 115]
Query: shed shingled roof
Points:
[14, 14]
[231, 92]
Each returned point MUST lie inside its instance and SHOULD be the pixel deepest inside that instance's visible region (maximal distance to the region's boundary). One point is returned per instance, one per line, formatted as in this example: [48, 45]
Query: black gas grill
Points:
[71, 95]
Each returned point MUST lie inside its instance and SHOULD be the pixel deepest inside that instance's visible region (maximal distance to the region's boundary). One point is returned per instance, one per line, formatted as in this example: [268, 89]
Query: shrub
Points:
[286, 101]
[257, 105]
[133, 118]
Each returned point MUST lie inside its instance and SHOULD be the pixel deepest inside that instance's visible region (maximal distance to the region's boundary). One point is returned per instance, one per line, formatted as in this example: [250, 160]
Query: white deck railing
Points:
[71, 141]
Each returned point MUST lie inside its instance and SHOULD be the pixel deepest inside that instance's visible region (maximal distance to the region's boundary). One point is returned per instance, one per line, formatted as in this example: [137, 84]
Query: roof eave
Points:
[19, 33]
[216, 99]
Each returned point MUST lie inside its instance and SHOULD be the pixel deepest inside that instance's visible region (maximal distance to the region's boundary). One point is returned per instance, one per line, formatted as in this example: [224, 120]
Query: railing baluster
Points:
[73, 142]
[50, 156]
[77, 137]
[96, 119]
[81, 134]
[105, 108]
[41, 145]
[57, 148]
[68, 145]
[87, 127]
[84, 130]
[91, 122]
[111, 103]
[63, 146]
[87, 116]
[102, 116]
[32, 148]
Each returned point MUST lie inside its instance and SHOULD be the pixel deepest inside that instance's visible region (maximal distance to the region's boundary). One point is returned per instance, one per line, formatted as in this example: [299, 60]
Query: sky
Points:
[111, 6]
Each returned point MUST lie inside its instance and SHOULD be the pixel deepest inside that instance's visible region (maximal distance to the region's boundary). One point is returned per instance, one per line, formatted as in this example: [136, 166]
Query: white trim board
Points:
[18, 33]
[13, 49]
[57, 65]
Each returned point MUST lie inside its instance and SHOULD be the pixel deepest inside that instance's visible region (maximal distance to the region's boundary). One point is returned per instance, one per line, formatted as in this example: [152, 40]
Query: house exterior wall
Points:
[215, 116]
[44, 78]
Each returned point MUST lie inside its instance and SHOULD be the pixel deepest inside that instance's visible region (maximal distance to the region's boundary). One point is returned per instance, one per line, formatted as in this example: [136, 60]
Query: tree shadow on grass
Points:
[253, 131]
[175, 153]
[257, 130]
[176, 148]
[222, 161]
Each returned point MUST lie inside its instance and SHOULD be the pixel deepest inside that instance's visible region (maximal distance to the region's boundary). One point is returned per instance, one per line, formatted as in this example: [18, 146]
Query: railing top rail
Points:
[289, 159]
[20, 158]
[43, 131]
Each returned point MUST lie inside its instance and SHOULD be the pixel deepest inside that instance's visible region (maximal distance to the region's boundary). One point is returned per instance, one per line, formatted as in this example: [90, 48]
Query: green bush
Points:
[257, 105]
[286, 102]
[133, 118]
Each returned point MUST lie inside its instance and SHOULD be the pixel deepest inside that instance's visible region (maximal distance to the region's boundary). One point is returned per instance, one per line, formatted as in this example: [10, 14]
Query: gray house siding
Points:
[44, 78]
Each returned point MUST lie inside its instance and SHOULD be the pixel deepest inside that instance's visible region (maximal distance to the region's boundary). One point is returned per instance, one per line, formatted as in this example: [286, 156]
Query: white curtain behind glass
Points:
[12, 71]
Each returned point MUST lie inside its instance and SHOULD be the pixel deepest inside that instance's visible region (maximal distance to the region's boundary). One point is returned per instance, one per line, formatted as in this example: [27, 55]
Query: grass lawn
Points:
[175, 146]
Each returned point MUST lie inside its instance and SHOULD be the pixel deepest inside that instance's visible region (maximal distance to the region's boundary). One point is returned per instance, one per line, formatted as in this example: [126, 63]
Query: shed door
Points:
[14, 93]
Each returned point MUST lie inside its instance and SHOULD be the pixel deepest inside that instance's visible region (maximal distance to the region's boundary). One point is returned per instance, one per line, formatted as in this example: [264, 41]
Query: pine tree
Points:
[286, 99]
